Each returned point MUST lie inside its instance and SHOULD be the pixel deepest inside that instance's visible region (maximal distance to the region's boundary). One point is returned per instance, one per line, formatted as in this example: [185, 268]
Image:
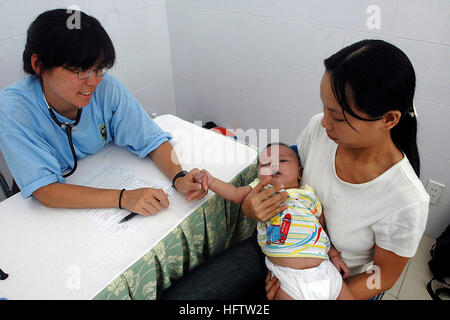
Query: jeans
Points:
[237, 273]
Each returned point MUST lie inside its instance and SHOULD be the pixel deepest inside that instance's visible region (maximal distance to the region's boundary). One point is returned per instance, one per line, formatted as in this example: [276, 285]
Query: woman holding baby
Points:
[360, 155]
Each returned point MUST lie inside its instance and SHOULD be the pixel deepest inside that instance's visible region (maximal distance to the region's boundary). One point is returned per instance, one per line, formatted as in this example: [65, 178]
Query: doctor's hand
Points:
[190, 187]
[204, 178]
[262, 205]
[145, 201]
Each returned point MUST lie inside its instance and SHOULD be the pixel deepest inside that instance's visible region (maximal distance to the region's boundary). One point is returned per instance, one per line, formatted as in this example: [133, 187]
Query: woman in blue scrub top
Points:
[68, 86]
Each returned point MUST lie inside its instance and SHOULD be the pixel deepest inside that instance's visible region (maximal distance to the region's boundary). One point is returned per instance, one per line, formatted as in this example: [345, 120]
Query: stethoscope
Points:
[68, 128]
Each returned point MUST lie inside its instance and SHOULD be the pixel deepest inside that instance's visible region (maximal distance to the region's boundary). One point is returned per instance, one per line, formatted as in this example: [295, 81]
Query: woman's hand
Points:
[262, 205]
[145, 201]
[337, 261]
[341, 266]
[272, 286]
[188, 186]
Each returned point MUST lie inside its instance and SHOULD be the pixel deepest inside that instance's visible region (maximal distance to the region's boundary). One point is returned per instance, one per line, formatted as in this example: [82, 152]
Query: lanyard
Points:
[67, 127]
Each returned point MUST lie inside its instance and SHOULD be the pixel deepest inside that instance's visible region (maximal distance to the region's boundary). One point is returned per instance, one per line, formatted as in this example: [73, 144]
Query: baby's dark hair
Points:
[284, 145]
[57, 43]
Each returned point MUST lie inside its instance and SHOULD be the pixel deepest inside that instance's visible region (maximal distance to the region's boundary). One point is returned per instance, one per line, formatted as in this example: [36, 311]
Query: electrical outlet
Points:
[435, 190]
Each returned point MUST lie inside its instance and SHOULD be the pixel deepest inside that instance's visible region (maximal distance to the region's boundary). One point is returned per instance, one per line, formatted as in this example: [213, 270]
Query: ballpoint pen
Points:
[131, 215]
[128, 217]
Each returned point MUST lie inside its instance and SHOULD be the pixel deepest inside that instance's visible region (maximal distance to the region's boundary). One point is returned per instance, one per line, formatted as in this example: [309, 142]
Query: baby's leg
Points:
[345, 293]
[281, 295]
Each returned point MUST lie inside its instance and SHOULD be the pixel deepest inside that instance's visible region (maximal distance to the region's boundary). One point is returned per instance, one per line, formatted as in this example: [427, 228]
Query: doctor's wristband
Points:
[180, 174]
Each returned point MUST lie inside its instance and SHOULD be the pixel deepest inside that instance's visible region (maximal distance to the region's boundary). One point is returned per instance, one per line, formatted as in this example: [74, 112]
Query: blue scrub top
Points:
[37, 150]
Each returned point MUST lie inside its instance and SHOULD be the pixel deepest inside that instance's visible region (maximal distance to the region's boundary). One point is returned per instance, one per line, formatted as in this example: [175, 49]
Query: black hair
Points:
[59, 43]
[381, 78]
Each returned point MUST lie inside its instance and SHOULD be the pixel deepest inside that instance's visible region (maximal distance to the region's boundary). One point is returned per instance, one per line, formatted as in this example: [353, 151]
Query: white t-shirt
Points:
[390, 211]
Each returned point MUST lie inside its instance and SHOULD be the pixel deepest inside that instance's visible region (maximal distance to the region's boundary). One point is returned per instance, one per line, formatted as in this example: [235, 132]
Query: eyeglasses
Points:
[83, 75]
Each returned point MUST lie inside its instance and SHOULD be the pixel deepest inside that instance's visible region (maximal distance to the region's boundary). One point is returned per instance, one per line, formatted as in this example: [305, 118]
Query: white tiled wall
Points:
[138, 29]
[262, 60]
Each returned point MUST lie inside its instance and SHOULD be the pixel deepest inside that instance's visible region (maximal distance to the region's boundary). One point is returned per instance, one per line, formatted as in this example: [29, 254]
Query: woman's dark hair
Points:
[381, 78]
[59, 42]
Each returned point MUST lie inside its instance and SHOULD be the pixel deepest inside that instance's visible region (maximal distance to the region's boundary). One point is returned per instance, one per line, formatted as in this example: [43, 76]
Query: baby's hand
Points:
[204, 177]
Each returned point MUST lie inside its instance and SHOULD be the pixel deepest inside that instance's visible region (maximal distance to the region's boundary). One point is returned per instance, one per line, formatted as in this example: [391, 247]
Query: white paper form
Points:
[112, 177]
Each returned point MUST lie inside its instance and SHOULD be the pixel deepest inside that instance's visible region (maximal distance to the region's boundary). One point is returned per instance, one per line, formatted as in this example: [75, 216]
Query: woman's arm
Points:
[387, 269]
[144, 201]
[61, 195]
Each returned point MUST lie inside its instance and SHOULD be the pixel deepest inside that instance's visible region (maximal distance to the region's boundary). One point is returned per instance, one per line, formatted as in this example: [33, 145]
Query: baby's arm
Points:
[223, 189]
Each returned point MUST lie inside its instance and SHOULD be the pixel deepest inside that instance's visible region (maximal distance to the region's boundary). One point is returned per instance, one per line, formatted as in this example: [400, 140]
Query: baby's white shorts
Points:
[320, 283]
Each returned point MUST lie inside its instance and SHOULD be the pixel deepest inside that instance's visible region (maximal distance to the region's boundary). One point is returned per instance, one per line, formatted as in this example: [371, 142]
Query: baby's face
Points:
[280, 162]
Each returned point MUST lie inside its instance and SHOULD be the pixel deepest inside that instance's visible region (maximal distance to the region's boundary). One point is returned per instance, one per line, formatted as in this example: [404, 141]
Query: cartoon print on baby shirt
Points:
[287, 219]
[273, 230]
[278, 229]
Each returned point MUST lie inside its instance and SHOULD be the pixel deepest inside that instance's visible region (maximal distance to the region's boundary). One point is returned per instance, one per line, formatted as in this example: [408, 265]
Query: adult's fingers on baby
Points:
[275, 200]
[265, 180]
[272, 288]
[271, 192]
[198, 177]
[193, 186]
[346, 271]
[274, 210]
[205, 182]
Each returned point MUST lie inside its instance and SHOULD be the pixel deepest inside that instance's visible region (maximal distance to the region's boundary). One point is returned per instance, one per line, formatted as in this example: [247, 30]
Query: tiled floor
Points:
[412, 284]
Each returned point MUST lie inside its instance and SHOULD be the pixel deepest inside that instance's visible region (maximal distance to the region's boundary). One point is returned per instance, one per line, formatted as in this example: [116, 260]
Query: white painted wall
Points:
[258, 64]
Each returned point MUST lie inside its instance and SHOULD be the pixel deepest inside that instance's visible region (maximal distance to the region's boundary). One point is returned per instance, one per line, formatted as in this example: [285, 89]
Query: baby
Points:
[294, 241]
